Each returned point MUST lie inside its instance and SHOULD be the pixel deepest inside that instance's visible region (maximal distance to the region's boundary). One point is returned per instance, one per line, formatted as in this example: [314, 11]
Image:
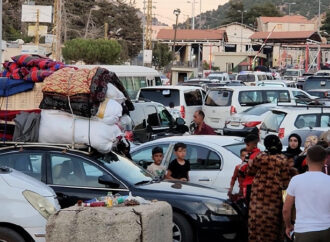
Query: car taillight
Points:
[183, 112]
[129, 135]
[252, 124]
[281, 133]
[232, 110]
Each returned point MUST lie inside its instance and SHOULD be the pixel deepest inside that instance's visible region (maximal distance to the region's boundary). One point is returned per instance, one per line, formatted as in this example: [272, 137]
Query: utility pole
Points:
[319, 20]
[106, 29]
[58, 25]
[143, 29]
[177, 13]
[149, 25]
[36, 36]
[192, 13]
[242, 18]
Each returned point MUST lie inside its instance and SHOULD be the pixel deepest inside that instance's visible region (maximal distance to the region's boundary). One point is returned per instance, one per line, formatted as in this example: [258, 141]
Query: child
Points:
[156, 168]
[179, 167]
[237, 176]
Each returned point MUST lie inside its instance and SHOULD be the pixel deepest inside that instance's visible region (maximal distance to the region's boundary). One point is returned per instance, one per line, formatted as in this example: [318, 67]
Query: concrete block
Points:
[143, 223]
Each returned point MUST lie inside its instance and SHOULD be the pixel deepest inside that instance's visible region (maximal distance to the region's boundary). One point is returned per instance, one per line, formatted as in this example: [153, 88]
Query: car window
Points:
[246, 78]
[235, 148]
[218, 98]
[28, 163]
[200, 158]
[257, 110]
[273, 121]
[325, 120]
[163, 96]
[299, 94]
[249, 98]
[73, 171]
[165, 117]
[306, 120]
[145, 154]
[128, 84]
[277, 96]
[137, 116]
[139, 82]
[193, 98]
[152, 115]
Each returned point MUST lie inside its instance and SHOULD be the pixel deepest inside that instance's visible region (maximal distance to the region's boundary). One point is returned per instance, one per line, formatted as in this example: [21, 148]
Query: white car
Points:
[25, 204]
[186, 99]
[294, 74]
[276, 83]
[218, 77]
[223, 102]
[212, 158]
[283, 120]
[251, 77]
[248, 121]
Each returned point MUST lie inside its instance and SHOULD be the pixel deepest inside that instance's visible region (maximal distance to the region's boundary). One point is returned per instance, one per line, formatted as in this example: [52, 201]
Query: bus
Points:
[132, 77]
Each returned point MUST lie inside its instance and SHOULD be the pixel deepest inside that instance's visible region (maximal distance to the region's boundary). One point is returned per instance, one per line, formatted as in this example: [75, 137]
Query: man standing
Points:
[201, 127]
[311, 194]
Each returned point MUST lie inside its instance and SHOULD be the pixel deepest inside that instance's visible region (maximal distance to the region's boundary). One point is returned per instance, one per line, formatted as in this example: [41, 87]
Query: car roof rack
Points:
[75, 147]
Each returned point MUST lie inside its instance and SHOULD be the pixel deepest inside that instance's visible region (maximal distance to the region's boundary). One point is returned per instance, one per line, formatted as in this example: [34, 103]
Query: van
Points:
[294, 74]
[132, 77]
[186, 99]
[251, 77]
[222, 102]
[218, 76]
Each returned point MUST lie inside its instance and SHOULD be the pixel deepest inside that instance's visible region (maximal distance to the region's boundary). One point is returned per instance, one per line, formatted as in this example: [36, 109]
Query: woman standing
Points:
[271, 171]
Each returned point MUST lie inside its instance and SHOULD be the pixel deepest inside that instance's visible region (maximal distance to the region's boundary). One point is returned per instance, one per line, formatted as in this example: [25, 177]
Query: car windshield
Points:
[291, 73]
[316, 83]
[246, 78]
[163, 96]
[125, 169]
[213, 77]
[257, 110]
[218, 98]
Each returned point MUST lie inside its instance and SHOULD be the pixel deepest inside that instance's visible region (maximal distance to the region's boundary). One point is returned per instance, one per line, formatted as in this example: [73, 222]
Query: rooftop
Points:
[190, 34]
[286, 19]
[294, 36]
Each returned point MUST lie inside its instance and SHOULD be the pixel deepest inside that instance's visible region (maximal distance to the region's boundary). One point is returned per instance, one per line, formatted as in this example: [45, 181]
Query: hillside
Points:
[212, 19]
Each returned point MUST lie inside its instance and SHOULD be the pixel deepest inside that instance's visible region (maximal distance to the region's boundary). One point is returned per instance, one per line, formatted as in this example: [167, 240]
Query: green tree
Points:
[266, 9]
[98, 51]
[161, 55]
[233, 14]
[326, 25]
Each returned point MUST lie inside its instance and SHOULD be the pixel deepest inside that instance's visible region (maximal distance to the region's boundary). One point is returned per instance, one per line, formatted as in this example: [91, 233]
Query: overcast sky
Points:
[164, 8]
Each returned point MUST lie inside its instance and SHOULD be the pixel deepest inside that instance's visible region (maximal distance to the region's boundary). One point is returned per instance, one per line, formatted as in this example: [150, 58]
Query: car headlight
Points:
[220, 207]
[40, 203]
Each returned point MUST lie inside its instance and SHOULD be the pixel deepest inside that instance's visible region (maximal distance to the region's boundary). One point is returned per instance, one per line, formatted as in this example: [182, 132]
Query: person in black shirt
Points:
[179, 167]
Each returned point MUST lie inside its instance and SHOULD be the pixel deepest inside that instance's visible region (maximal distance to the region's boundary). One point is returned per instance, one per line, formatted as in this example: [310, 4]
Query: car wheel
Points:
[9, 235]
[182, 231]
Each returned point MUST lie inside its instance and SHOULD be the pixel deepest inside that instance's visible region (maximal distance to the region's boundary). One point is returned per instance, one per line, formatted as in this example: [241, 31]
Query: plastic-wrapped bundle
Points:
[114, 93]
[109, 112]
[61, 128]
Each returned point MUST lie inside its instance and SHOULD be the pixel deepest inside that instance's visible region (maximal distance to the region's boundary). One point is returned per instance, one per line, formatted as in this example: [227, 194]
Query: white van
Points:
[220, 103]
[251, 77]
[186, 99]
[218, 77]
[132, 77]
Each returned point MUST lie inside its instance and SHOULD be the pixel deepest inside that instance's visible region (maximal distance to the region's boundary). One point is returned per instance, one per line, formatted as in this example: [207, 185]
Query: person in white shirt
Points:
[310, 192]
[156, 168]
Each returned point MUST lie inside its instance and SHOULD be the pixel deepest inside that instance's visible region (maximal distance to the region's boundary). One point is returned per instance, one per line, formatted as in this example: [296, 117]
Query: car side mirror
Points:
[180, 121]
[108, 180]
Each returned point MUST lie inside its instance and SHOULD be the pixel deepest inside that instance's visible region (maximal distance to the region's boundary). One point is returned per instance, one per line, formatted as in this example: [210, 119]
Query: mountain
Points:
[217, 17]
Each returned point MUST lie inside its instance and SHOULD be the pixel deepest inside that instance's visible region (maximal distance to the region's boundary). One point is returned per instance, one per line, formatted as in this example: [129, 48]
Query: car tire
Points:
[9, 235]
[182, 231]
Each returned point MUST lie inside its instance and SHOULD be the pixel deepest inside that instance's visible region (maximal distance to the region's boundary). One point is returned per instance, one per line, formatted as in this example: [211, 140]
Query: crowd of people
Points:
[298, 178]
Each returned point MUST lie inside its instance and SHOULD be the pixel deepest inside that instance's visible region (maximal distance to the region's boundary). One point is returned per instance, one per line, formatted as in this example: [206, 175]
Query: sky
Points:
[164, 8]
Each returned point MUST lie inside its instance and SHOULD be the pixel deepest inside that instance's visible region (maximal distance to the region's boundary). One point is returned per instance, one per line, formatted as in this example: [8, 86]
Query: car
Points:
[321, 93]
[223, 102]
[212, 157]
[293, 74]
[186, 99]
[151, 120]
[75, 175]
[26, 204]
[276, 83]
[283, 120]
[251, 77]
[317, 82]
[218, 76]
[248, 121]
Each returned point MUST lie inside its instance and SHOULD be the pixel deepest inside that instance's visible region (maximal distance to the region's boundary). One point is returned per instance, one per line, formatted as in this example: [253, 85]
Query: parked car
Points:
[218, 76]
[186, 99]
[317, 82]
[198, 212]
[283, 120]
[248, 121]
[277, 83]
[221, 103]
[321, 93]
[212, 158]
[151, 120]
[293, 74]
[251, 77]
[26, 204]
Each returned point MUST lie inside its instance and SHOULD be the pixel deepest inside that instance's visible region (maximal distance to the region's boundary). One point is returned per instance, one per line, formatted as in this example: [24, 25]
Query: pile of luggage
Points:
[73, 106]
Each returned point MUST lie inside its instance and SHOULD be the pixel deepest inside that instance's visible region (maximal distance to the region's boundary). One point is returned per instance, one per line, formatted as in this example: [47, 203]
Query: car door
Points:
[194, 101]
[205, 164]
[75, 178]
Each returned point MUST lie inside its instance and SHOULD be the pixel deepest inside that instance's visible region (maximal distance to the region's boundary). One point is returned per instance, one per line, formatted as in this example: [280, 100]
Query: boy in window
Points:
[156, 168]
[179, 168]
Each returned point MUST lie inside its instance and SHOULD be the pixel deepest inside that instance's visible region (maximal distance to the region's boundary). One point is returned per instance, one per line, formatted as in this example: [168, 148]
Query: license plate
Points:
[234, 123]
[215, 120]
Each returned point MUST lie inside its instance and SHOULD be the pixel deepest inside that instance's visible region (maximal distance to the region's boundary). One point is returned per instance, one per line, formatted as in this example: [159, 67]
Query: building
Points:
[286, 23]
